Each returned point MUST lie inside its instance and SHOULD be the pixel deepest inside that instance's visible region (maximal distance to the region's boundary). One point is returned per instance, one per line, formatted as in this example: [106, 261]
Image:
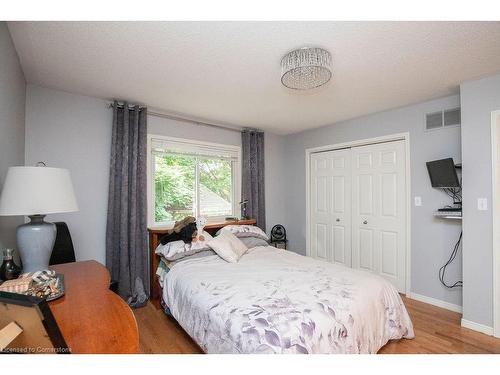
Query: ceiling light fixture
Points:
[306, 68]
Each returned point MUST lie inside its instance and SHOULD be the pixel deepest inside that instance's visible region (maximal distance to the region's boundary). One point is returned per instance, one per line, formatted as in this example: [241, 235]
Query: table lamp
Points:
[36, 192]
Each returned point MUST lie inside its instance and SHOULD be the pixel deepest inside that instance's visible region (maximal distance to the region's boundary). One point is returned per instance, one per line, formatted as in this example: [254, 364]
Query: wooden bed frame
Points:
[154, 260]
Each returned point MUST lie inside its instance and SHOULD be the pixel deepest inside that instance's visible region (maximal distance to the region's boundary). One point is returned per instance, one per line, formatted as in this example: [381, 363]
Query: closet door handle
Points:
[337, 220]
[365, 222]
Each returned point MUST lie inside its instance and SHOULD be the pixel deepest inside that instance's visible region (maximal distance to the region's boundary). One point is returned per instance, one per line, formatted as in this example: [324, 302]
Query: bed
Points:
[276, 301]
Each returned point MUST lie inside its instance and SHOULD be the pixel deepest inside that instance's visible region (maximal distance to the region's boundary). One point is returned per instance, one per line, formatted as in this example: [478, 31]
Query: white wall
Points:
[432, 239]
[479, 98]
[12, 99]
[73, 131]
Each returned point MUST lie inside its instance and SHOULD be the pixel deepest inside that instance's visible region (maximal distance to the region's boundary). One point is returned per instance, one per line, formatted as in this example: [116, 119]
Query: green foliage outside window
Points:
[175, 186]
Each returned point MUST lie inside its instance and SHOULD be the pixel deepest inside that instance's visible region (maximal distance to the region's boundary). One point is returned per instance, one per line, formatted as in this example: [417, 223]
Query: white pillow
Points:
[176, 250]
[241, 231]
[228, 247]
[238, 246]
[173, 250]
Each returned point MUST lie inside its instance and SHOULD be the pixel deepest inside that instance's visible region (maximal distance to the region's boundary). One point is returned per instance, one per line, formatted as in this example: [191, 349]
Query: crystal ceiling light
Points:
[306, 68]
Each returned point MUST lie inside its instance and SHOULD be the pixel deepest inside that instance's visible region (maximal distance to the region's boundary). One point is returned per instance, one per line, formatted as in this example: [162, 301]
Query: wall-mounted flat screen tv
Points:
[443, 173]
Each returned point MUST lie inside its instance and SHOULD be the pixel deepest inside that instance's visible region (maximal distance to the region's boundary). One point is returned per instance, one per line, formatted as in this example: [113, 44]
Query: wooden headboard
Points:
[154, 260]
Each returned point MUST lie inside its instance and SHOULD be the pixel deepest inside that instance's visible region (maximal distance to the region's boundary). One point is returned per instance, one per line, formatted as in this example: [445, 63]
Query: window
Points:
[190, 178]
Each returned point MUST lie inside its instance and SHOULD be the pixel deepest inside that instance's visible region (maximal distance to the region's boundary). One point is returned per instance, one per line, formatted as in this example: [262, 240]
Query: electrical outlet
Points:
[482, 204]
[418, 201]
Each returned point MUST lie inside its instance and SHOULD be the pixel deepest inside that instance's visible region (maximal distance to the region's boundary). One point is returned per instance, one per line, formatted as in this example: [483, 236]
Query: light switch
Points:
[482, 204]
[418, 201]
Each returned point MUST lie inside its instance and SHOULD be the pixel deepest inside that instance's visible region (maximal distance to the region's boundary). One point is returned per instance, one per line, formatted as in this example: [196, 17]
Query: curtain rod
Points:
[184, 119]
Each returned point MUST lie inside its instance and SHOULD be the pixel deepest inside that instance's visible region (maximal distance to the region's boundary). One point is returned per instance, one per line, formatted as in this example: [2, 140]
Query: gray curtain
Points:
[126, 231]
[252, 181]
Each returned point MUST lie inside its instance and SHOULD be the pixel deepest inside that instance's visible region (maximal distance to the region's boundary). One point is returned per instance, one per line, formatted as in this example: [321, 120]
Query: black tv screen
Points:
[443, 173]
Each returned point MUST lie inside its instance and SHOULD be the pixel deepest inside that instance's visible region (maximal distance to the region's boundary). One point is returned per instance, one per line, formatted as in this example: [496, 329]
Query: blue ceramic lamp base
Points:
[36, 241]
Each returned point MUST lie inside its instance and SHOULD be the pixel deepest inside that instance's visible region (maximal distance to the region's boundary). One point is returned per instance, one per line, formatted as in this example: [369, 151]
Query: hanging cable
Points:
[442, 270]
[455, 194]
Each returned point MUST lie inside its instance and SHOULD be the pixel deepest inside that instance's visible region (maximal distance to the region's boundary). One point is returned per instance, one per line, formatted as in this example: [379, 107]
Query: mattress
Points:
[276, 301]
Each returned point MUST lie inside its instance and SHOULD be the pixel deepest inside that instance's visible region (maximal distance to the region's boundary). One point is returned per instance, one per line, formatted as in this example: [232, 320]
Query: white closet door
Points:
[330, 216]
[379, 210]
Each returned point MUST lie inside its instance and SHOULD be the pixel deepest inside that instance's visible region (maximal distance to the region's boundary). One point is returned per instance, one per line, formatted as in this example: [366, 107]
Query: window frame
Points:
[189, 145]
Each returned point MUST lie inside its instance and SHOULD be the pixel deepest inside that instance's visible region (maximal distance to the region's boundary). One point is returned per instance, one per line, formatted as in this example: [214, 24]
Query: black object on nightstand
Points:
[278, 236]
[63, 251]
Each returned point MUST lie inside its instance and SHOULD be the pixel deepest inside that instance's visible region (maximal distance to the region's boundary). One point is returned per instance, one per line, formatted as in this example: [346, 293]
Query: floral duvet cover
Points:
[276, 301]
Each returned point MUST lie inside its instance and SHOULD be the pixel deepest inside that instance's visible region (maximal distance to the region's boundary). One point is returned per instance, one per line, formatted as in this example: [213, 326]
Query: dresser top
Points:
[92, 318]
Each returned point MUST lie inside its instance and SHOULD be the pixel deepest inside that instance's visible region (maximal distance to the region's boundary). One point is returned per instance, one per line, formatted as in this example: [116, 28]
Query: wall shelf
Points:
[448, 215]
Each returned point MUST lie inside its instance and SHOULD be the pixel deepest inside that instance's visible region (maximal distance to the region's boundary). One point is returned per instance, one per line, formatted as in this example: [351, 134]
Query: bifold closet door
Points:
[330, 205]
[379, 210]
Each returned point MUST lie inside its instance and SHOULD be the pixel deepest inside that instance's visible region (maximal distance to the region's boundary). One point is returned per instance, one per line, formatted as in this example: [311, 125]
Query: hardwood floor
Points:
[159, 333]
[436, 331]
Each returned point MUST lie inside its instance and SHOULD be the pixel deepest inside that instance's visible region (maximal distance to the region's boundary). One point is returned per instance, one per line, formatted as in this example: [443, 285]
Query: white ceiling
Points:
[229, 72]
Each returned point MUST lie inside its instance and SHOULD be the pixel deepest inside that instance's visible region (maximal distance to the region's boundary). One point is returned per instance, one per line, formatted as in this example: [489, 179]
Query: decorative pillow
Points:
[228, 247]
[251, 242]
[245, 231]
[238, 246]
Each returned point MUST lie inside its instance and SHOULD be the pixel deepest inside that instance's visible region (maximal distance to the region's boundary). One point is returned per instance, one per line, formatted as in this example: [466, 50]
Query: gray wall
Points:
[275, 179]
[432, 239]
[479, 98]
[12, 99]
[73, 131]
[182, 129]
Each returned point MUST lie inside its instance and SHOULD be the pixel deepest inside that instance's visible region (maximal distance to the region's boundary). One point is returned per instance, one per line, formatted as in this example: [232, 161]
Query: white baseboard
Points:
[435, 302]
[477, 327]
[452, 307]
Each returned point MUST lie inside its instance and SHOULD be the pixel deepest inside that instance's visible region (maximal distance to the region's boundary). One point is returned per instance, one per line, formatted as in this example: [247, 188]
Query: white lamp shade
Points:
[37, 191]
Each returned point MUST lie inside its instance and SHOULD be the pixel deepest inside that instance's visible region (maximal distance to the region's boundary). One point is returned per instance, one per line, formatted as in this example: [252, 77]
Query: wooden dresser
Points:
[154, 260]
[92, 318]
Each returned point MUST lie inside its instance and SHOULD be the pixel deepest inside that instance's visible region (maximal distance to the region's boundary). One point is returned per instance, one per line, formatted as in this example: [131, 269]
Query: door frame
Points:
[365, 142]
[495, 204]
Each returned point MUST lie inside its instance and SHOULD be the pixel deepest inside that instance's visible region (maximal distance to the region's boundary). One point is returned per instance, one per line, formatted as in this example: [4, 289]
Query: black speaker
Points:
[63, 251]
